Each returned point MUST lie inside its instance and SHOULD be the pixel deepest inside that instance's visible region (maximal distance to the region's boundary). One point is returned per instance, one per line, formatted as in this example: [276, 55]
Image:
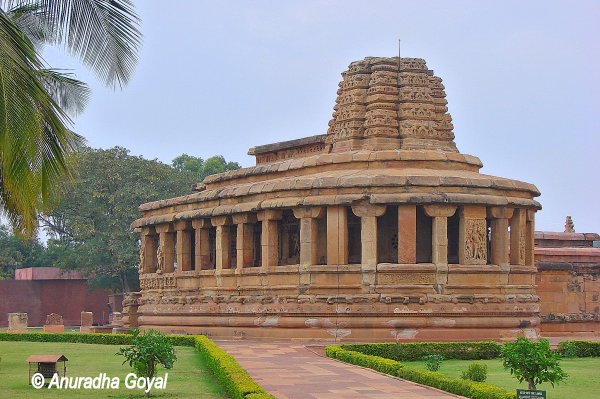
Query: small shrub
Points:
[533, 362]
[433, 362]
[475, 372]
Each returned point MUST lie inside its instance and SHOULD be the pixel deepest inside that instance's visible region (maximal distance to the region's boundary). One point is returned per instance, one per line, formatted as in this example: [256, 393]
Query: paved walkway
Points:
[291, 371]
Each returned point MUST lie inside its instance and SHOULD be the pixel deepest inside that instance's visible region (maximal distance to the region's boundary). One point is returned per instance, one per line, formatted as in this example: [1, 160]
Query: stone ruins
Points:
[54, 323]
[87, 320]
[17, 323]
[378, 230]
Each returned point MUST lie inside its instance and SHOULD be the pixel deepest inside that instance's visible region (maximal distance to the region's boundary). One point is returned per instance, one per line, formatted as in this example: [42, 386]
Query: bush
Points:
[88, 338]
[475, 372]
[433, 362]
[469, 389]
[418, 350]
[235, 380]
[579, 349]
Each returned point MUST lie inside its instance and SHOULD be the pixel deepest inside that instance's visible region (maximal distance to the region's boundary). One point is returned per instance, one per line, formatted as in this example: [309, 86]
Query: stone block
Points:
[17, 323]
[54, 328]
[87, 320]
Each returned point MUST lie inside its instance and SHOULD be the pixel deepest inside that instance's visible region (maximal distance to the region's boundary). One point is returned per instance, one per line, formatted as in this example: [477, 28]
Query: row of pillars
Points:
[191, 238]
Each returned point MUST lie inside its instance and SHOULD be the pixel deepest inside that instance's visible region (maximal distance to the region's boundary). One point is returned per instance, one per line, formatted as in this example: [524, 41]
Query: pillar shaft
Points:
[308, 241]
[149, 248]
[518, 237]
[337, 235]
[270, 237]
[439, 231]
[166, 252]
[184, 249]
[530, 238]
[500, 240]
[407, 234]
[202, 250]
[245, 245]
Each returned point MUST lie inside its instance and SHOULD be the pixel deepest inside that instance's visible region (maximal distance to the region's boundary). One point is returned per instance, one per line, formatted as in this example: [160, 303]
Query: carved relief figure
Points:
[475, 243]
[142, 257]
[160, 256]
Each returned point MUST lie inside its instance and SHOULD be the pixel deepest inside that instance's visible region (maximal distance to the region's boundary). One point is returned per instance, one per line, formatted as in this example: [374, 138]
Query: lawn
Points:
[583, 381]
[188, 379]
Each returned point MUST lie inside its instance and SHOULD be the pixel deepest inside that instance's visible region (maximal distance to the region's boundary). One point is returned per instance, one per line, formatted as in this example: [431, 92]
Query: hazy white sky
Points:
[215, 77]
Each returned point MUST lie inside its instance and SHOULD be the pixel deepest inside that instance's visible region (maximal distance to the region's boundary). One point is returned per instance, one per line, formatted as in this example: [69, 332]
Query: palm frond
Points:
[104, 34]
[70, 94]
[35, 143]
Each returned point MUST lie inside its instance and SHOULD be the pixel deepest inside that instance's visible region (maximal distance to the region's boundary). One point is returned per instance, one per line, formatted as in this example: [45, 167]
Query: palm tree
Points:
[37, 103]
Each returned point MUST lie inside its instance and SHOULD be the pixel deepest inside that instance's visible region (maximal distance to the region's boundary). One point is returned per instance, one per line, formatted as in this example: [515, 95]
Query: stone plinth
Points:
[87, 320]
[54, 323]
[17, 323]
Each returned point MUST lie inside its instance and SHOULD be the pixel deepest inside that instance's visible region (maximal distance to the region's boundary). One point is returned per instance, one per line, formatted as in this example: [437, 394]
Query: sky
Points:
[214, 77]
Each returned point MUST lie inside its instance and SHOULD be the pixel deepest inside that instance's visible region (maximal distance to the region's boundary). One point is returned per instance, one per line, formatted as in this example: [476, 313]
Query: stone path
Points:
[291, 371]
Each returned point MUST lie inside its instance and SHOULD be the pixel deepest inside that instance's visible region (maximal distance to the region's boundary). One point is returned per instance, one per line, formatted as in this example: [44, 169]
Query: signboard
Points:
[530, 394]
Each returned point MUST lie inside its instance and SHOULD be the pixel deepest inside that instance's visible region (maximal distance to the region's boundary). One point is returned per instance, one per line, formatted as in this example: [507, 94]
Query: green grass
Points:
[188, 379]
[582, 383]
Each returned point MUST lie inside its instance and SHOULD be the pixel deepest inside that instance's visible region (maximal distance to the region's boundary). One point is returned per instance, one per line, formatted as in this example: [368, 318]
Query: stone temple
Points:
[378, 230]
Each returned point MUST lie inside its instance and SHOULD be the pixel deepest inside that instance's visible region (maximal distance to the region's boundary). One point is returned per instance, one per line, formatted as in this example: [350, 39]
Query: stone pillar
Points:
[407, 234]
[87, 320]
[148, 250]
[202, 250]
[223, 259]
[270, 236]
[518, 237]
[530, 238]
[439, 231]
[368, 214]
[500, 242]
[309, 239]
[337, 235]
[245, 239]
[184, 245]
[166, 248]
[472, 232]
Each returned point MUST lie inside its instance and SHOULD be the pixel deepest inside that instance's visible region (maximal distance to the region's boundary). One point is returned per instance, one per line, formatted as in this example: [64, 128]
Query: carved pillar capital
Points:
[182, 225]
[269, 214]
[313, 212]
[201, 223]
[223, 220]
[148, 231]
[240, 218]
[439, 210]
[164, 228]
[500, 212]
[368, 210]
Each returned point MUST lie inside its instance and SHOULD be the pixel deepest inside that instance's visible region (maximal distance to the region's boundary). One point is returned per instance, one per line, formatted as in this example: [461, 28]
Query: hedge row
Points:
[235, 380]
[579, 348]
[469, 389]
[418, 350]
[89, 338]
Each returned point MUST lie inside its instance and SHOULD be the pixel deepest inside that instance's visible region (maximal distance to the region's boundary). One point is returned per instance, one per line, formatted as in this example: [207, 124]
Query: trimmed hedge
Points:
[579, 348]
[89, 338]
[418, 350]
[469, 389]
[236, 381]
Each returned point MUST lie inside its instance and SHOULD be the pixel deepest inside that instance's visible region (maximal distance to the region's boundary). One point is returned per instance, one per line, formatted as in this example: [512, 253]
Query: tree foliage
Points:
[91, 225]
[16, 253]
[202, 168]
[533, 362]
[37, 102]
[147, 352]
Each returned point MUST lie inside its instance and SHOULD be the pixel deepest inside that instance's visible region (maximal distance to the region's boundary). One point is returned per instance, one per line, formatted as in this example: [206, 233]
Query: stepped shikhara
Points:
[386, 104]
[378, 230]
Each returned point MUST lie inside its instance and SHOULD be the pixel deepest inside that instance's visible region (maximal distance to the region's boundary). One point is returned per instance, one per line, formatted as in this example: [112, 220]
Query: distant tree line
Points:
[89, 228]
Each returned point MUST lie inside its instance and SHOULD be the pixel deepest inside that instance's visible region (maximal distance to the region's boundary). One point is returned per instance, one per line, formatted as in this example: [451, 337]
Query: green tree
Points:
[147, 352]
[17, 253]
[533, 362]
[37, 102]
[202, 168]
[91, 225]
